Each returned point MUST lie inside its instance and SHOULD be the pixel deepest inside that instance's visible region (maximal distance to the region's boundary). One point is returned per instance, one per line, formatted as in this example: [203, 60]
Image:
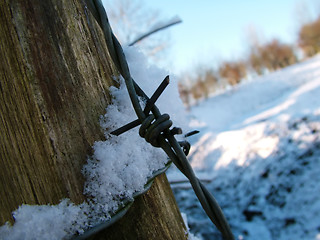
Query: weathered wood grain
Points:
[55, 73]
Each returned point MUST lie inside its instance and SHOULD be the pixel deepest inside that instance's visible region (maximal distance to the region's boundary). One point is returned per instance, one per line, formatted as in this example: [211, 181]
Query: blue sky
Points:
[214, 30]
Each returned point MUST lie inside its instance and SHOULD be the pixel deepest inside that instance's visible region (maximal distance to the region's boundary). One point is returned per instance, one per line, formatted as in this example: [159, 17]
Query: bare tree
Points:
[233, 71]
[271, 56]
[309, 38]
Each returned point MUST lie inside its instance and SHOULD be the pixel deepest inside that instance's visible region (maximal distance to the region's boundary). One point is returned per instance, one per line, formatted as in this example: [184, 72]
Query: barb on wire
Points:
[191, 133]
[155, 127]
[146, 110]
[159, 27]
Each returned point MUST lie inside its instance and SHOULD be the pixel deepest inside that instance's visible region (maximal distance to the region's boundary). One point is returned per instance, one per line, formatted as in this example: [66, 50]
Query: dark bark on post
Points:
[55, 73]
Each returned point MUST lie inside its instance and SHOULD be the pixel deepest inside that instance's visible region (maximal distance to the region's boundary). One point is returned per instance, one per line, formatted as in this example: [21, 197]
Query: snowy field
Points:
[258, 152]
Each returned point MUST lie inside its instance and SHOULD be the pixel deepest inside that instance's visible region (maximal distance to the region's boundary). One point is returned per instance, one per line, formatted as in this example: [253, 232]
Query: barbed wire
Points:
[155, 127]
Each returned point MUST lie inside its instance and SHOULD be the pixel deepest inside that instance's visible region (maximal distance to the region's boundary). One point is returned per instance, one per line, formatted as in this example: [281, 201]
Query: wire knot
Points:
[152, 128]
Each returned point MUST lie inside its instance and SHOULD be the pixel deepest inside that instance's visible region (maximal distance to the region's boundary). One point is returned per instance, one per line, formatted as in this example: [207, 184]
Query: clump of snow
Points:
[258, 152]
[50, 222]
[119, 166]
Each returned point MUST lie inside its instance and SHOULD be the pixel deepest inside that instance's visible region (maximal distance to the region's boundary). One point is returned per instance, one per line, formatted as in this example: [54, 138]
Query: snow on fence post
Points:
[55, 73]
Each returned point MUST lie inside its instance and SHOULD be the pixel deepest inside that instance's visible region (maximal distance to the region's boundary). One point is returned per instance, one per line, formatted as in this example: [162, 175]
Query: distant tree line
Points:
[262, 58]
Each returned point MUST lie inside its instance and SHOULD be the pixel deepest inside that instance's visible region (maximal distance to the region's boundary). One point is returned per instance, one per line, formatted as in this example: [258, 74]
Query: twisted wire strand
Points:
[166, 139]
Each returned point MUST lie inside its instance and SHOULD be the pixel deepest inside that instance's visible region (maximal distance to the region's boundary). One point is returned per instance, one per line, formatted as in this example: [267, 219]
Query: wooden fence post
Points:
[55, 72]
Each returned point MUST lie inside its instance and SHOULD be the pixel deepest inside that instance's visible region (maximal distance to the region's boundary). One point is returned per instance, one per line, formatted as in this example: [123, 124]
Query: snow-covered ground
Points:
[258, 152]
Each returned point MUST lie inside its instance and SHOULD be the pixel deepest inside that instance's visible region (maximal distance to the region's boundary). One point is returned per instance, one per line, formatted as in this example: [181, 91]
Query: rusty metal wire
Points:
[155, 127]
